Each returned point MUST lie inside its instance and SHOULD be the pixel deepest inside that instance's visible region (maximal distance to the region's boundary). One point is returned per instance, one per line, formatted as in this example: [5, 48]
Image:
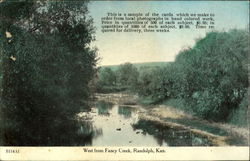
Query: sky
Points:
[117, 48]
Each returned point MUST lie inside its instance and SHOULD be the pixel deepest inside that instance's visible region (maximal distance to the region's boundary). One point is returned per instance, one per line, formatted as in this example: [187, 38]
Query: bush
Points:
[179, 104]
[211, 78]
[213, 74]
[239, 116]
[111, 89]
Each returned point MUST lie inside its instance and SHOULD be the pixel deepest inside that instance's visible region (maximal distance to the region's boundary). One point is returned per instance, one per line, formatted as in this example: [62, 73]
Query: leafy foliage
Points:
[124, 78]
[47, 68]
[209, 80]
[127, 74]
[215, 73]
[106, 77]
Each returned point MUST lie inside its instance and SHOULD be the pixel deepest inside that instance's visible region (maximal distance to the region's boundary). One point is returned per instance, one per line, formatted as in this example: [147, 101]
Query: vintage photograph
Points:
[124, 73]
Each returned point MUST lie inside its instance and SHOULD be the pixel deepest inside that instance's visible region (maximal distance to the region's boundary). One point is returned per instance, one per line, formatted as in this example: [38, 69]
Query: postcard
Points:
[124, 80]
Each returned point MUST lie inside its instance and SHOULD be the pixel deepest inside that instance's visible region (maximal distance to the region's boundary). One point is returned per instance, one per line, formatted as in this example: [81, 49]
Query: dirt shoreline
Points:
[162, 114]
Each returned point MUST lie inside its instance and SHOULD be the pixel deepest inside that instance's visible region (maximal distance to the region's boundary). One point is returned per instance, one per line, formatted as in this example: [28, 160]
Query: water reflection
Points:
[103, 108]
[115, 122]
[112, 125]
[172, 137]
[125, 111]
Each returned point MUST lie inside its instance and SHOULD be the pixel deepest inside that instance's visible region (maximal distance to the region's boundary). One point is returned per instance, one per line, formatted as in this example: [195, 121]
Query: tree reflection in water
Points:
[86, 130]
[173, 137]
[103, 108]
[112, 125]
[125, 111]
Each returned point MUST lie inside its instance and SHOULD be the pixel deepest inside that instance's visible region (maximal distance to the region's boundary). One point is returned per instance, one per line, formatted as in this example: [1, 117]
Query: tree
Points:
[127, 75]
[47, 68]
[145, 81]
[158, 82]
[214, 73]
[209, 79]
[107, 77]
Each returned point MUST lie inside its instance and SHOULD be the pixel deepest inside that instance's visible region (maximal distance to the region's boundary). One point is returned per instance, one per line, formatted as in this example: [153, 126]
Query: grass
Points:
[146, 101]
[233, 139]
[197, 124]
[178, 104]
[239, 116]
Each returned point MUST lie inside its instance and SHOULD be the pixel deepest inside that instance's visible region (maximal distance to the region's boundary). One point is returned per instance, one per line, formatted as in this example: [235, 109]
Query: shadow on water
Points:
[105, 124]
[87, 133]
[125, 111]
[200, 125]
[103, 108]
[171, 136]
[112, 125]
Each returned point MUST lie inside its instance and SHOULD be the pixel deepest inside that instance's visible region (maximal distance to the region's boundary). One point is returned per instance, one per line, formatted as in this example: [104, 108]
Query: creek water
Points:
[114, 125]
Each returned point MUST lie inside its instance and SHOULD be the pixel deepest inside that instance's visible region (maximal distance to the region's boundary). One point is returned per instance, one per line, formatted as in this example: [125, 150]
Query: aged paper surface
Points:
[124, 80]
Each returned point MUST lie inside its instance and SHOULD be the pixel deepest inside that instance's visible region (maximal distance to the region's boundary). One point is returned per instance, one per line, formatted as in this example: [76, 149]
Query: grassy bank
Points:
[237, 116]
[174, 111]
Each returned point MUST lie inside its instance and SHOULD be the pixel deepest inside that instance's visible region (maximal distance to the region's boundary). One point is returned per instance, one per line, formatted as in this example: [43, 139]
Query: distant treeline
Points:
[209, 80]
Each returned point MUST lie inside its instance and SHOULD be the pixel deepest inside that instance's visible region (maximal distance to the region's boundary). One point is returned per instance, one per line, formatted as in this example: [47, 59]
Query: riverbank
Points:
[220, 134]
